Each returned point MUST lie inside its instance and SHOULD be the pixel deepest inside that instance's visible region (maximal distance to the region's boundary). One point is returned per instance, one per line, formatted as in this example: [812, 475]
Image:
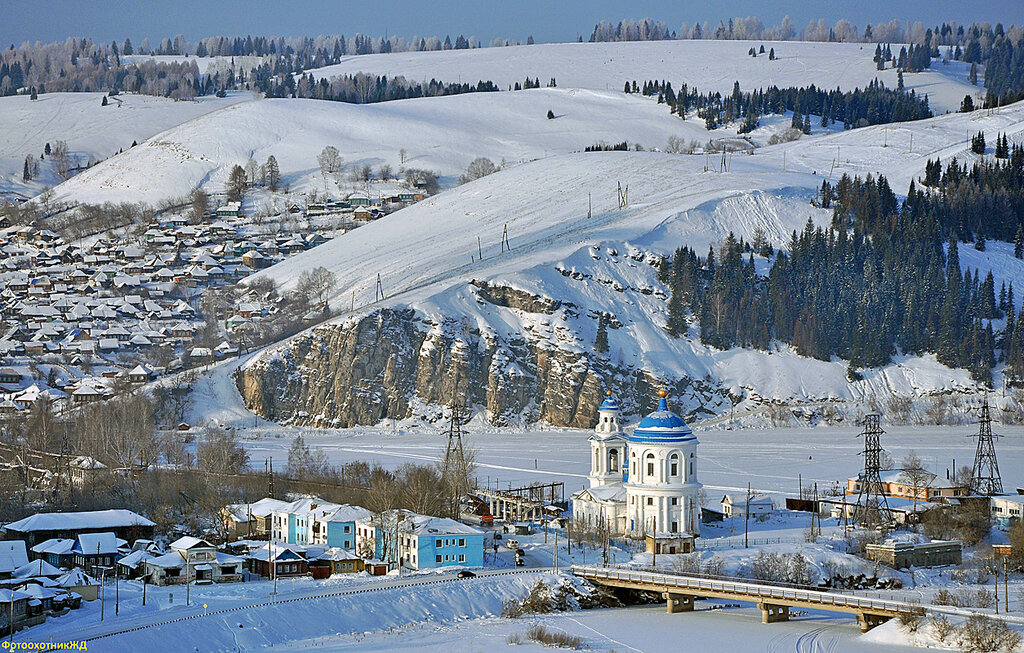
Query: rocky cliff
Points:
[399, 363]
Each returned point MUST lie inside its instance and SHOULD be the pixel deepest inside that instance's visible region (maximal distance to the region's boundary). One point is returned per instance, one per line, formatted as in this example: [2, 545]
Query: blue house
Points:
[338, 528]
[423, 542]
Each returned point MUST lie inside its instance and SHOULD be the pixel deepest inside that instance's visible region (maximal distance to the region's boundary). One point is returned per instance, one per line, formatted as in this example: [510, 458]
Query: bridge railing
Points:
[742, 588]
[757, 581]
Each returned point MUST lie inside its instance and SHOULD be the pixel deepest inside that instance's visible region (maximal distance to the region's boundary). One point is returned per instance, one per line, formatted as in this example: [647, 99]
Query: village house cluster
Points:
[78, 317]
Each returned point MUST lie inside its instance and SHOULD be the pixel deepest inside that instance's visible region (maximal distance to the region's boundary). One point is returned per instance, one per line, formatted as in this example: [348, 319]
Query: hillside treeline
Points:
[873, 105]
[884, 278]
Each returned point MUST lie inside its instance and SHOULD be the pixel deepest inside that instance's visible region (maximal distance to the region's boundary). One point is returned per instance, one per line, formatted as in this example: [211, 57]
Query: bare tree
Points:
[237, 183]
[220, 452]
[385, 172]
[479, 167]
[317, 283]
[915, 476]
[251, 170]
[60, 159]
[329, 160]
[199, 204]
[271, 173]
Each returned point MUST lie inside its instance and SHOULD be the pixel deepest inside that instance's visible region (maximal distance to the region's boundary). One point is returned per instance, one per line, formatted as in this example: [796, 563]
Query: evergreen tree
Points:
[1018, 242]
[104, 102]
[271, 173]
[771, 54]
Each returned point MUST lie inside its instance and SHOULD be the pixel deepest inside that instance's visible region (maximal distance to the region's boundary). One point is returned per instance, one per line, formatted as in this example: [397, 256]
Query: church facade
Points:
[644, 483]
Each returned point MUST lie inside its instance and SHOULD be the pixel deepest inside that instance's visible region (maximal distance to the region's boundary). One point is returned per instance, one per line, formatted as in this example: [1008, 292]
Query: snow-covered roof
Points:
[346, 513]
[54, 546]
[261, 508]
[36, 568]
[740, 499]
[431, 526]
[135, 558]
[76, 578]
[335, 554]
[71, 521]
[98, 544]
[188, 542]
[12, 556]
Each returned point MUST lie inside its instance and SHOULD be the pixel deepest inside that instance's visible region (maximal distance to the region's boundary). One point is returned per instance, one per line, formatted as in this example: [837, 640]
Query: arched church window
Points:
[674, 464]
[613, 461]
[650, 464]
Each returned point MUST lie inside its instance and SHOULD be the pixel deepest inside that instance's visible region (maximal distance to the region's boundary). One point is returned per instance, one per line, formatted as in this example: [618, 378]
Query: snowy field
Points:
[639, 629]
[442, 134]
[446, 133]
[455, 615]
[771, 460]
[706, 65]
[90, 130]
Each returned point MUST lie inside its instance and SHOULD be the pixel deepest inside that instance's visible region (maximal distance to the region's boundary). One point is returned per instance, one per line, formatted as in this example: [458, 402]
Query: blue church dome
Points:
[609, 403]
[662, 427]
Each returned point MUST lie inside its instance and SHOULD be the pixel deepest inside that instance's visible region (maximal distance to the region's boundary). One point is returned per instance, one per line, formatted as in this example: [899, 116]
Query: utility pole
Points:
[556, 552]
[103, 590]
[746, 519]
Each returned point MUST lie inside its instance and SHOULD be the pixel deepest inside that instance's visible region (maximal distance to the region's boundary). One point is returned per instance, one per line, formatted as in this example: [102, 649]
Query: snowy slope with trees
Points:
[567, 273]
[443, 134]
[707, 65]
[93, 132]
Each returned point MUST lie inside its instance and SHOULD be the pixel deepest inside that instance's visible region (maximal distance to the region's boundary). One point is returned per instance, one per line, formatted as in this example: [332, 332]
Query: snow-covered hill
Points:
[90, 129]
[442, 134]
[566, 268]
[706, 65]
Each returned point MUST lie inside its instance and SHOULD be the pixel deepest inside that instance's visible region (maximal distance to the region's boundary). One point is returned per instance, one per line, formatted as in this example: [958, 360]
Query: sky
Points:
[545, 20]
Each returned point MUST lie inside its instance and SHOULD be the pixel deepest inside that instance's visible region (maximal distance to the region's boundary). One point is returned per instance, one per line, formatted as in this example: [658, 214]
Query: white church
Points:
[644, 483]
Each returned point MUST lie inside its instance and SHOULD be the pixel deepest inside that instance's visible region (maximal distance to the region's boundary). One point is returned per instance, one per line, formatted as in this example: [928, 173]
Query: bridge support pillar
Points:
[869, 621]
[771, 613]
[678, 602]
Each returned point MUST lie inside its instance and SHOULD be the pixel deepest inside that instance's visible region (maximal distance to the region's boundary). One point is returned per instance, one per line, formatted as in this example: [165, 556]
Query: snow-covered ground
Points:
[90, 130]
[430, 250]
[705, 65]
[442, 134]
[771, 460]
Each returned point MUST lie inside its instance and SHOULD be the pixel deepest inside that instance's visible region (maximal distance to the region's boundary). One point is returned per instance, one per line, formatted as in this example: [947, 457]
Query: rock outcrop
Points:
[396, 363]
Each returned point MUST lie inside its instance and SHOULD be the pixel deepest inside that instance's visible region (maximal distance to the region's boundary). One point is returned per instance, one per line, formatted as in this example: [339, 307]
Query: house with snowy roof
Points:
[42, 526]
[56, 551]
[95, 550]
[740, 505]
[12, 556]
[191, 559]
[250, 520]
[419, 541]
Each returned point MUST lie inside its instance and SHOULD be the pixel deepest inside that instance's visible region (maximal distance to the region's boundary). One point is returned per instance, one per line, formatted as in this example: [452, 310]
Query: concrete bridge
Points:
[679, 591]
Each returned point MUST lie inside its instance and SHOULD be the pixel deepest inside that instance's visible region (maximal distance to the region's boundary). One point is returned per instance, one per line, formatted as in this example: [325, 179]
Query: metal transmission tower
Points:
[872, 508]
[454, 454]
[985, 479]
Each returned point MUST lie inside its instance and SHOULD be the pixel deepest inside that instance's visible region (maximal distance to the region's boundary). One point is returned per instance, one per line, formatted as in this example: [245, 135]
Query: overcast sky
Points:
[546, 20]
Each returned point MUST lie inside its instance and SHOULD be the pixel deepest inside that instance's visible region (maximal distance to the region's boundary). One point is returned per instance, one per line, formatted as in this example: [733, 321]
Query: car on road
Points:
[512, 543]
[466, 574]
